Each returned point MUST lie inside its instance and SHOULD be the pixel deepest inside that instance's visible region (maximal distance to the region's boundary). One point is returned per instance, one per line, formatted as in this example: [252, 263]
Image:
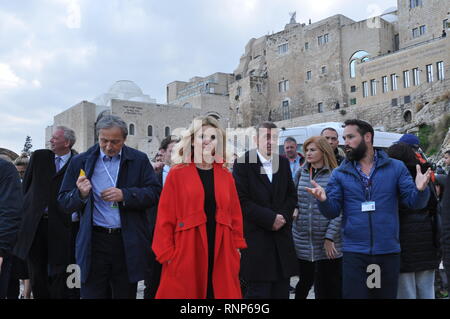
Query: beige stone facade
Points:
[389, 70]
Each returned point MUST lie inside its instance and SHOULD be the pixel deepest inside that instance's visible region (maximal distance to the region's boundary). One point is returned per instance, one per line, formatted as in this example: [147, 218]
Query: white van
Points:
[302, 133]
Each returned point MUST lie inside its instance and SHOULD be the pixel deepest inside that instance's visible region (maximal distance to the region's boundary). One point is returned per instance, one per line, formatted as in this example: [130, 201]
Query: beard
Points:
[356, 154]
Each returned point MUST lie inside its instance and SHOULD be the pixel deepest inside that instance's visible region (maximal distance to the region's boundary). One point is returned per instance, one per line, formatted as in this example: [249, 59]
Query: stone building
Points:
[309, 73]
[391, 70]
[148, 122]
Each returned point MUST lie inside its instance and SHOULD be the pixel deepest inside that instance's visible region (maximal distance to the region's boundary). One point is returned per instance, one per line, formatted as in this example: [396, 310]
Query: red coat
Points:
[180, 236]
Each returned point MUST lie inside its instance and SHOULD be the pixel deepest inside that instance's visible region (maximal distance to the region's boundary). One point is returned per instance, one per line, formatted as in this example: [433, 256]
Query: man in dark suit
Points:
[44, 236]
[113, 187]
[10, 213]
[268, 199]
[154, 271]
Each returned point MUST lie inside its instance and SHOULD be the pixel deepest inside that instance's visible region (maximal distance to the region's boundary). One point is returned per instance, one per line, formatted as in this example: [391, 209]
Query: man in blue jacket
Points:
[366, 188]
[113, 187]
[10, 215]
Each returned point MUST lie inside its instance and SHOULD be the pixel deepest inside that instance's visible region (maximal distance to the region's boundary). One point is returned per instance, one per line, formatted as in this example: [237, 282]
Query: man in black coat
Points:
[268, 199]
[10, 214]
[445, 213]
[45, 231]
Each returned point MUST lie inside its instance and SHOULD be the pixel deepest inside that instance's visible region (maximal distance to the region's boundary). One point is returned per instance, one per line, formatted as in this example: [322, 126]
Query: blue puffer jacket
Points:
[377, 232]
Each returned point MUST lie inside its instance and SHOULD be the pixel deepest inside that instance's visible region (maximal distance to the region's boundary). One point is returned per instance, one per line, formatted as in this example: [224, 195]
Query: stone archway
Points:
[407, 116]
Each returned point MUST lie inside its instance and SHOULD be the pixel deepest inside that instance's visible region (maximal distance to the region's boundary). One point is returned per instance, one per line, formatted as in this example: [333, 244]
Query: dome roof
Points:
[125, 89]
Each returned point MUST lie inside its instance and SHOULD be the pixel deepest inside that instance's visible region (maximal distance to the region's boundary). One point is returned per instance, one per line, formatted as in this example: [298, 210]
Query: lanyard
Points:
[114, 181]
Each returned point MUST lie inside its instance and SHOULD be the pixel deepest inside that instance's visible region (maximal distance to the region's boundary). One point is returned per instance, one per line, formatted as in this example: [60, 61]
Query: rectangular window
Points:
[394, 102]
[394, 85]
[415, 32]
[320, 107]
[445, 24]
[286, 113]
[384, 79]
[306, 46]
[353, 101]
[283, 86]
[422, 30]
[430, 73]
[415, 3]
[324, 69]
[309, 75]
[441, 71]
[406, 82]
[407, 99]
[258, 88]
[325, 38]
[373, 87]
[416, 77]
[365, 89]
[283, 48]
[320, 40]
[353, 88]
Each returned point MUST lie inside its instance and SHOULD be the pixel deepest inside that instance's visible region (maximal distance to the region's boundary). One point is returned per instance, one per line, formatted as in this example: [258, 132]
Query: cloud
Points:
[56, 53]
[8, 79]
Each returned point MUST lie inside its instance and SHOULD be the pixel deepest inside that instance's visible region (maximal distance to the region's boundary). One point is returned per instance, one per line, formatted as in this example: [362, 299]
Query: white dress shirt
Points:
[267, 164]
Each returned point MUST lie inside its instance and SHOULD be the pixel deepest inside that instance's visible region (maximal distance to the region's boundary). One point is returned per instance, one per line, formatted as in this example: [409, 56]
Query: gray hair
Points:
[69, 134]
[290, 139]
[110, 121]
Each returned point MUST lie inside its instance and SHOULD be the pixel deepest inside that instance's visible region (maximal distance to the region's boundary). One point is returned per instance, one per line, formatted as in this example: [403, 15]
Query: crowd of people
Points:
[199, 222]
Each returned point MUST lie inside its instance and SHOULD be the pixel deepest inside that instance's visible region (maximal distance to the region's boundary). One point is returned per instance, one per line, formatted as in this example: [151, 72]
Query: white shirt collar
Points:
[263, 160]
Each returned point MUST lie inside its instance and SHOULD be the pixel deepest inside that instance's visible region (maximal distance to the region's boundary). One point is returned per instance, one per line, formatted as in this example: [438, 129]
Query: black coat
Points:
[10, 206]
[270, 254]
[445, 214]
[418, 237]
[40, 186]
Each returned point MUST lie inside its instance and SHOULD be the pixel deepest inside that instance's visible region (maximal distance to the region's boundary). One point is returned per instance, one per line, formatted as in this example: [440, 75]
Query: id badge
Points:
[115, 205]
[368, 207]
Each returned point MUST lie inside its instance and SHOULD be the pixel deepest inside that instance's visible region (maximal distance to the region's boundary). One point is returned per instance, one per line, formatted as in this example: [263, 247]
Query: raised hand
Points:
[317, 191]
[422, 179]
[84, 186]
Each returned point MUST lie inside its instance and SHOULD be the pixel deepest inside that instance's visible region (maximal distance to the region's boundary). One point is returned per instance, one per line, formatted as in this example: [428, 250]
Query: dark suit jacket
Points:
[40, 186]
[141, 191]
[445, 215]
[270, 254]
[10, 206]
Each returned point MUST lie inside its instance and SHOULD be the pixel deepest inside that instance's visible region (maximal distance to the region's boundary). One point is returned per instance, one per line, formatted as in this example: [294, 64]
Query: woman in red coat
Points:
[199, 228]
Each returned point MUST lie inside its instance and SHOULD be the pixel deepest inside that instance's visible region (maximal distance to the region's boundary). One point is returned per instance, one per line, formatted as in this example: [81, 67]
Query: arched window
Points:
[167, 131]
[407, 117]
[357, 57]
[149, 130]
[131, 129]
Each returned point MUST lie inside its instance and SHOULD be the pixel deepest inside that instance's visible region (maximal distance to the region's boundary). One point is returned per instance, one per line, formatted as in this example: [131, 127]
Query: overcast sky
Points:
[56, 53]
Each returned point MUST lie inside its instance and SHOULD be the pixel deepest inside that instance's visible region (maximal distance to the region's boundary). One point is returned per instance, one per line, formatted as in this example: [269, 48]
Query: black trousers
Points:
[58, 274]
[325, 275]
[19, 270]
[108, 276]
[153, 276]
[356, 276]
[38, 262]
[5, 272]
[268, 289]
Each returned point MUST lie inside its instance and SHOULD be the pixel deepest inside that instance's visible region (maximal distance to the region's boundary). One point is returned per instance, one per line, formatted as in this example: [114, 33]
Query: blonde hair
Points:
[328, 155]
[183, 152]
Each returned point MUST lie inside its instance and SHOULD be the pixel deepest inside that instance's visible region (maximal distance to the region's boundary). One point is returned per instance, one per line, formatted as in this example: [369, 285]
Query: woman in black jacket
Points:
[418, 237]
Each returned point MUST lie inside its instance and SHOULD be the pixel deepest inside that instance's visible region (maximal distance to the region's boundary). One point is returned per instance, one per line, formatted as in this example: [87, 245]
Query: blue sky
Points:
[56, 53]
